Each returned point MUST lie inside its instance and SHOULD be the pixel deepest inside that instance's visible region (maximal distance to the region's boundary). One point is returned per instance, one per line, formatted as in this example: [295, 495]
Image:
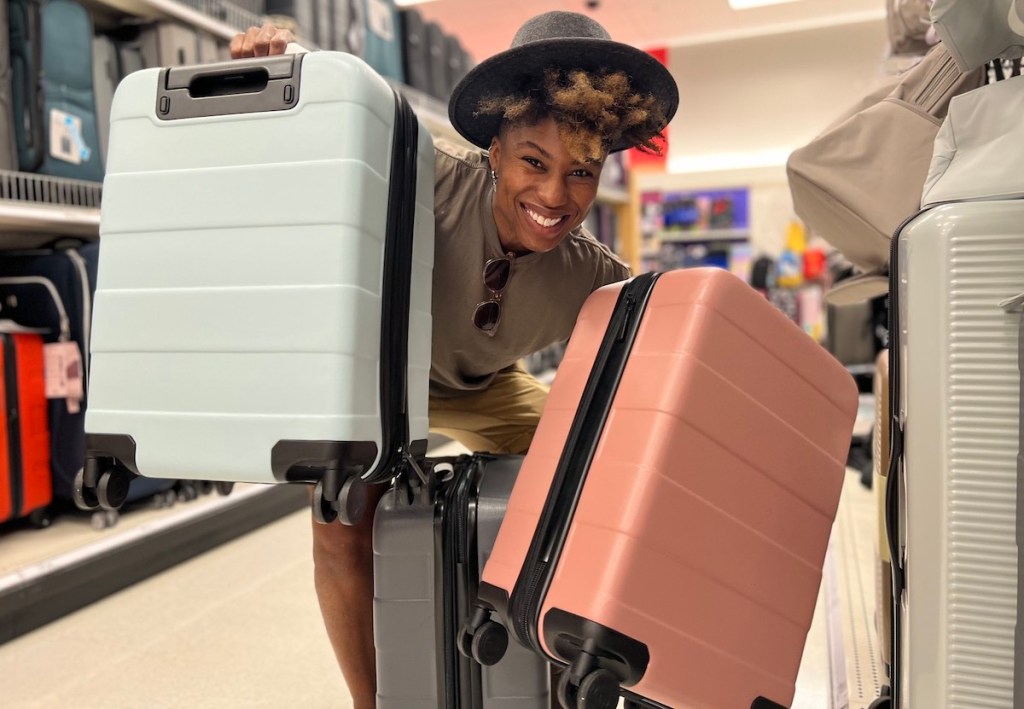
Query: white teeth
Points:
[541, 220]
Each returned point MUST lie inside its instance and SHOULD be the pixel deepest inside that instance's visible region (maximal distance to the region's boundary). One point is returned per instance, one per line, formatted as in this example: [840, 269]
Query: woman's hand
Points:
[260, 42]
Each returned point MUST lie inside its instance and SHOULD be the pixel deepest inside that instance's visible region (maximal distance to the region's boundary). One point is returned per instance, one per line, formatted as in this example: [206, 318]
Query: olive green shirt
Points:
[544, 295]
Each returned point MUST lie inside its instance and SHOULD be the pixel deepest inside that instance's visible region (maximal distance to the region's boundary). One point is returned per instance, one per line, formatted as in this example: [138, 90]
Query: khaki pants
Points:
[500, 419]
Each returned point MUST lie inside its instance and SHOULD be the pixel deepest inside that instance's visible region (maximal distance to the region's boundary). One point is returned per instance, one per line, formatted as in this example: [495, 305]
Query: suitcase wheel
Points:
[113, 488]
[224, 488]
[188, 491]
[85, 497]
[40, 519]
[482, 639]
[489, 643]
[881, 703]
[103, 519]
[597, 690]
[349, 506]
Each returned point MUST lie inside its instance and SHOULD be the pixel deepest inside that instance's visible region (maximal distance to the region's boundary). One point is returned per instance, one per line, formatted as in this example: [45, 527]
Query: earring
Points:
[494, 179]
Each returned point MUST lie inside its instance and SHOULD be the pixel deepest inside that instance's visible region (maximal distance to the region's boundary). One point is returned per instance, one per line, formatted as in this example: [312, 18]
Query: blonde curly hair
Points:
[593, 110]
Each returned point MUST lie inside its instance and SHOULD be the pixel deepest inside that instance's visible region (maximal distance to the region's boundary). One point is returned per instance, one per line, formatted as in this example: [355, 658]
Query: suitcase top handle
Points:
[227, 88]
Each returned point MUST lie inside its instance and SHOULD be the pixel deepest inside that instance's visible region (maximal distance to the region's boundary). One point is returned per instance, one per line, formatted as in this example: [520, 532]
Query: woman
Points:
[549, 110]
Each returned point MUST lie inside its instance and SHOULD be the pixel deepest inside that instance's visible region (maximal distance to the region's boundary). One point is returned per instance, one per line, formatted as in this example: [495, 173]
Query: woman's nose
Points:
[554, 191]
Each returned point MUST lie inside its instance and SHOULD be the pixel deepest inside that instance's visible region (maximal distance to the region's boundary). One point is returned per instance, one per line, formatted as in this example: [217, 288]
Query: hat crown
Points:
[559, 24]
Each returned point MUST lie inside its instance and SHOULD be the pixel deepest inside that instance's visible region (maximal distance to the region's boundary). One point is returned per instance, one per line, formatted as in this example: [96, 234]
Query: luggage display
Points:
[301, 12]
[297, 349]
[169, 44]
[667, 532]
[416, 55]
[429, 546]
[106, 72]
[25, 489]
[457, 61]
[69, 103]
[51, 290]
[438, 62]
[25, 25]
[383, 38]
[8, 141]
[954, 392]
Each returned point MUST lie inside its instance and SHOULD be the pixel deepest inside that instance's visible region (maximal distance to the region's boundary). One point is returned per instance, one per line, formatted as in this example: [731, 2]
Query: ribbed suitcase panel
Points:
[962, 413]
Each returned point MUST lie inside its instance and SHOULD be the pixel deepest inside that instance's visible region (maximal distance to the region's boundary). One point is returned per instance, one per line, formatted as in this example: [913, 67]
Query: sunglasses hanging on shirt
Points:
[497, 274]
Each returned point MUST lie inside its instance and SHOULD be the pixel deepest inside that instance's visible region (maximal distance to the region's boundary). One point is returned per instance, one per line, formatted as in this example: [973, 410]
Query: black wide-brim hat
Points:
[564, 40]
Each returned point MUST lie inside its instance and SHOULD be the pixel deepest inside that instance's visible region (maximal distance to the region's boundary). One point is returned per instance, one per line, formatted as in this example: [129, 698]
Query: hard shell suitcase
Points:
[1015, 306]
[429, 546]
[25, 489]
[955, 408]
[667, 531]
[301, 11]
[69, 103]
[383, 48]
[305, 360]
[416, 54]
[8, 142]
[51, 290]
[437, 48]
[165, 44]
[106, 73]
[25, 25]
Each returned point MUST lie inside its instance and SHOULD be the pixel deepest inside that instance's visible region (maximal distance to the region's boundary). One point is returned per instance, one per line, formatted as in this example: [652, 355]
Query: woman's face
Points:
[542, 192]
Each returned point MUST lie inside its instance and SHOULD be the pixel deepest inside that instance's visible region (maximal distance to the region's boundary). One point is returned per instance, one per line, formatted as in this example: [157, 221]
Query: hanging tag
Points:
[66, 141]
[63, 373]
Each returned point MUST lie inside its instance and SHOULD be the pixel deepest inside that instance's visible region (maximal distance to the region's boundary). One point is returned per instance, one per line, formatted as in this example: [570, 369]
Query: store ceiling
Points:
[487, 26]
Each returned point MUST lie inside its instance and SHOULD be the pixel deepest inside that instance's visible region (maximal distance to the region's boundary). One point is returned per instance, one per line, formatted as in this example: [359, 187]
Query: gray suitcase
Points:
[8, 144]
[167, 44]
[106, 73]
[429, 548]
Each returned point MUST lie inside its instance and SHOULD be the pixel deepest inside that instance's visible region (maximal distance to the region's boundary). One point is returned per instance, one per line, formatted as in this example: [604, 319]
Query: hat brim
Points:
[521, 68]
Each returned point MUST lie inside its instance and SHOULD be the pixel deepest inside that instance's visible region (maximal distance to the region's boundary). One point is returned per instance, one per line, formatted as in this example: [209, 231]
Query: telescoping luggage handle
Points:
[237, 86]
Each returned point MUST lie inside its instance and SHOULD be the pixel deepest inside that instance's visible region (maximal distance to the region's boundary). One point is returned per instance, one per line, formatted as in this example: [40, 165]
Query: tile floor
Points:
[239, 626]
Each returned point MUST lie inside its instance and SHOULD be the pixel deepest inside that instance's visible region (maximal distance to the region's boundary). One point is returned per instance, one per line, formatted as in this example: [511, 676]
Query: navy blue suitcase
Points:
[51, 289]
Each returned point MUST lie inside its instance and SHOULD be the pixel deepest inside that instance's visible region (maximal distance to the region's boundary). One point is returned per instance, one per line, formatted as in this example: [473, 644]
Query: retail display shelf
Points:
[702, 235]
[48, 205]
[219, 18]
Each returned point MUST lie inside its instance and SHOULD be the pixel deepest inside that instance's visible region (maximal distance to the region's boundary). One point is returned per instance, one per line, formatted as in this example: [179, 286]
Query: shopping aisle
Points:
[239, 627]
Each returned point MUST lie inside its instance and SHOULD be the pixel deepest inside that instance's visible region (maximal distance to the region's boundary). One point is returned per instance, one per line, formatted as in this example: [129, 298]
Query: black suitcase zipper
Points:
[571, 473]
[458, 550]
[13, 425]
[395, 305]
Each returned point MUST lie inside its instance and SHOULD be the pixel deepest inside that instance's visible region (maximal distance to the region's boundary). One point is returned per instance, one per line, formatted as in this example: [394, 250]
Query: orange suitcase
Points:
[26, 489]
[666, 535]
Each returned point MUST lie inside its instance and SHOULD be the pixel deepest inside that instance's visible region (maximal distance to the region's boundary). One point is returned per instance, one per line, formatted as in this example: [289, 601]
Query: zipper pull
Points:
[627, 312]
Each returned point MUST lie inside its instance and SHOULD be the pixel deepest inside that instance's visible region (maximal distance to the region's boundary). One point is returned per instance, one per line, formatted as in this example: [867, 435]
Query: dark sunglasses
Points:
[497, 274]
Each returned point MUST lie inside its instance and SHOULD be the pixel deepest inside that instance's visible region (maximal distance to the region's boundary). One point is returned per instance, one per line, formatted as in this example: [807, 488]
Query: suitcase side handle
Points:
[228, 88]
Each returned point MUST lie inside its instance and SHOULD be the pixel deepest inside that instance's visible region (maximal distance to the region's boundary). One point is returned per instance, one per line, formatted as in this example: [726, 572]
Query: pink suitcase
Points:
[666, 535]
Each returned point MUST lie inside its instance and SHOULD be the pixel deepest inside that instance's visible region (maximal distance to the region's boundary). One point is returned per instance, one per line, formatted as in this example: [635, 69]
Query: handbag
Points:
[858, 180]
[977, 31]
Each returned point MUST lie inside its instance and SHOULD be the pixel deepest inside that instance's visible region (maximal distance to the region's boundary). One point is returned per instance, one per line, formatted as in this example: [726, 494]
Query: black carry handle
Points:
[233, 87]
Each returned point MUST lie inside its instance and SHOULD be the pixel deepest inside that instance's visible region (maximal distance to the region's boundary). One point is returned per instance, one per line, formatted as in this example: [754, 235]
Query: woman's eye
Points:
[582, 173]
[533, 161]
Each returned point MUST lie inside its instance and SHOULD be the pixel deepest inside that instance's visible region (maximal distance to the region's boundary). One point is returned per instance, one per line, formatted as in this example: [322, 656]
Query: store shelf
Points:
[219, 18]
[48, 205]
[703, 235]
